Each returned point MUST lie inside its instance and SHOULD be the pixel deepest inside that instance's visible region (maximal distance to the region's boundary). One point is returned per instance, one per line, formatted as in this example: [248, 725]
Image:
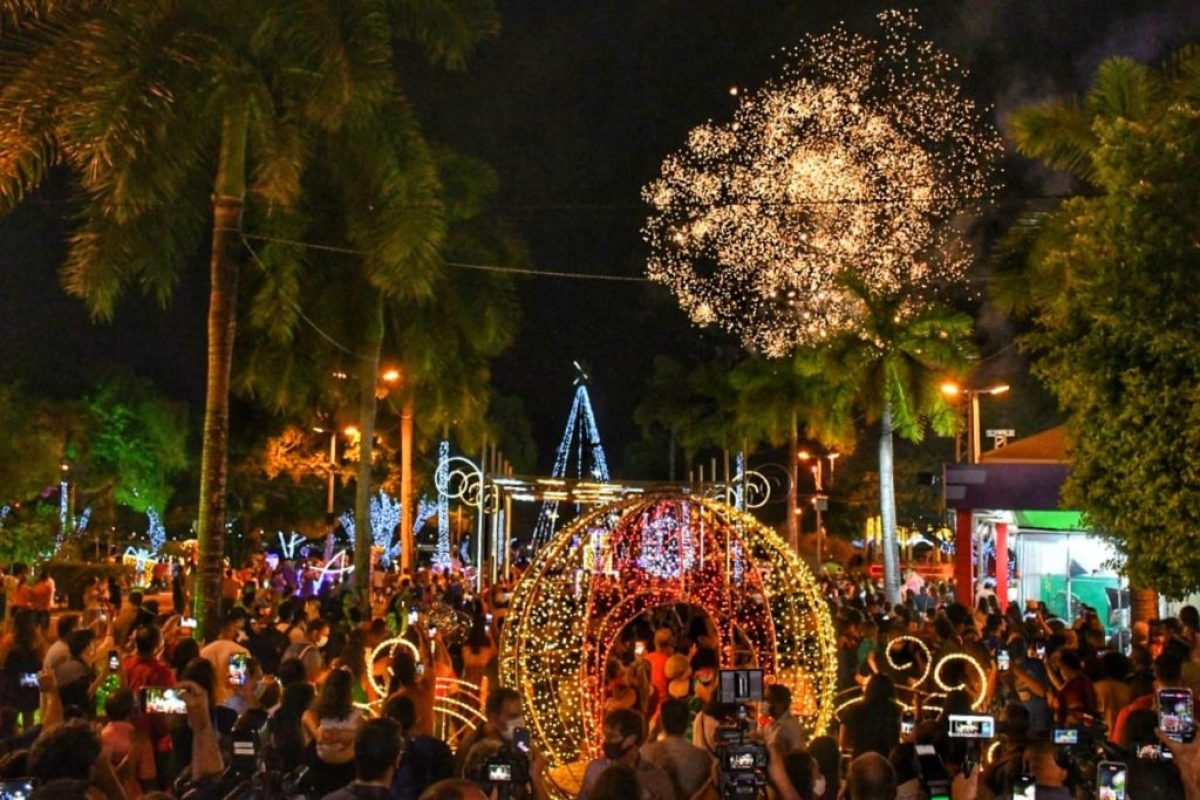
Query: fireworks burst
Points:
[851, 164]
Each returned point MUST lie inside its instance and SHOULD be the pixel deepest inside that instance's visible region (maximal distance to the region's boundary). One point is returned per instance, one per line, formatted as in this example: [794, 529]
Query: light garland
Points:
[607, 568]
[854, 161]
[887, 655]
[981, 697]
[580, 440]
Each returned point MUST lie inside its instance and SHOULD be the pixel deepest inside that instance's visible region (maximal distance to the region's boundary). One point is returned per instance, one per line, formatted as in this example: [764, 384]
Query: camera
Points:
[741, 763]
[499, 772]
[1066, 736]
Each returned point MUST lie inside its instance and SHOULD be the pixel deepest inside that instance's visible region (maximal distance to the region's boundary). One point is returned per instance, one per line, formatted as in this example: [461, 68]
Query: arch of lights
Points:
[621, 560]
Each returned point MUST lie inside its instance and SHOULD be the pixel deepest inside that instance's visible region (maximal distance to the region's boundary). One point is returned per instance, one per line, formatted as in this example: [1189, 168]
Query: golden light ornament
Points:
[619, 561]
[901, 667]
[853, 162]
[981, 696]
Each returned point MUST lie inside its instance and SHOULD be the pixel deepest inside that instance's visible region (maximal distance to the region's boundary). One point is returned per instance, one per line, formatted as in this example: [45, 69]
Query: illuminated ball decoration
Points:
[616, 562]
[853, 163]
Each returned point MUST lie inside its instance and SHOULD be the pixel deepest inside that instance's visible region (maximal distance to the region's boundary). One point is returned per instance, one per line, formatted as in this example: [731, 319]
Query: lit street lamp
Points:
[820, 500]
[972, 395]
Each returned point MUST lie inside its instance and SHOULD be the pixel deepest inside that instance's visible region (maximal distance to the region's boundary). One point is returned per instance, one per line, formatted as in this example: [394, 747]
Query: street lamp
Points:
[820, 501]
[972, 395]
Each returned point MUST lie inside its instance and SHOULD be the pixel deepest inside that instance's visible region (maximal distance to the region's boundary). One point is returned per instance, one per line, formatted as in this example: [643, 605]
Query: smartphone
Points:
[18, 788]
[163, 700]
[908, 721]
[1153, 752]
[639, 648]
[187, 622]
[237, 669]
[1003, 660]
[1025, 787]
[522, 742]
[29, 680]
[432, 631]
[1110, 780]
[933, 771]
[413, 614]
[1067, 736]
[972, 726]
[114, 660]
[1040, 651]
[1175, 717]
[420, 668]
[499, 772]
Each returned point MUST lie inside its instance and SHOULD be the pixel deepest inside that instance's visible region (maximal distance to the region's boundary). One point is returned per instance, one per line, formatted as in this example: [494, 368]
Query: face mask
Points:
[819, 786]
[324, 640]
[511, 727]
[614, 750]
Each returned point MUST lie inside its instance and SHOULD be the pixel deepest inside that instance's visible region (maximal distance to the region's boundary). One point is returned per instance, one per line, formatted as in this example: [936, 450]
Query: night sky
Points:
[575, 106]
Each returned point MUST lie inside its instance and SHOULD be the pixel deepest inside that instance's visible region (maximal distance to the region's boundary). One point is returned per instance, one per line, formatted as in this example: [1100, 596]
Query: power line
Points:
[459, 265]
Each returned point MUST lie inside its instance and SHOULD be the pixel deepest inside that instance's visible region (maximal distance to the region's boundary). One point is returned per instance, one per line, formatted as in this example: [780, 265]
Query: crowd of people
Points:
[301, 693]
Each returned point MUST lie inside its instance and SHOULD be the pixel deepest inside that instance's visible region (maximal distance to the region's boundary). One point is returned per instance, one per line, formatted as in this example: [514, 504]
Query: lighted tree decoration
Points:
[852, 163]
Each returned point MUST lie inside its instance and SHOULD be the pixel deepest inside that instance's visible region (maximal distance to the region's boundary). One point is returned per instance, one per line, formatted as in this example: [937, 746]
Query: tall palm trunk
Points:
[368, 381]
[887, 509]
[229, 192]
[793, 520]
[408, 553]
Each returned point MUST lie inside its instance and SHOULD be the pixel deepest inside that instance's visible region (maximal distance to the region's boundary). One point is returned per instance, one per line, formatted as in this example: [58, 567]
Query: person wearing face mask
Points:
[503, 712]
[220, 650]
[624, 733]
[784, 732]
[688, 766]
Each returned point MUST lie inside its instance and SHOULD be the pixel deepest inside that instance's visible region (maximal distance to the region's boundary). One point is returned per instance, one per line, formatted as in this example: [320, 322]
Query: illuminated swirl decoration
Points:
[749, 488]
[618, 561]
[853, 162]
[460, 479]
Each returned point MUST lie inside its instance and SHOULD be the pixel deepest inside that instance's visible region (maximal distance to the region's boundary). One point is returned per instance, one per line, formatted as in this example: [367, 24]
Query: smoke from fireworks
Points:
[851, 164]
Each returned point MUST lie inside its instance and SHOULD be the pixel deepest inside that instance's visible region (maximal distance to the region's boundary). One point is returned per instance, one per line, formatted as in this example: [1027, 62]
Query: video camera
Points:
[741, 763]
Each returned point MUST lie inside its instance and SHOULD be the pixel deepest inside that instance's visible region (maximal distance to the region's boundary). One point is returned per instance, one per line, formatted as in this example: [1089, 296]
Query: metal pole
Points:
[975, 448]
[332, 467]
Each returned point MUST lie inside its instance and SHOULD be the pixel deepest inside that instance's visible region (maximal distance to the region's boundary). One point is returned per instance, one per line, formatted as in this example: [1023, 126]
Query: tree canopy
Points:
[1109, 279]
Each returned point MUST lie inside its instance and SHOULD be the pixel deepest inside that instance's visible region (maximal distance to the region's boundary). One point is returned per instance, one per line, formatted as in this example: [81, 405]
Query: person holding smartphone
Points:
[1074, 694]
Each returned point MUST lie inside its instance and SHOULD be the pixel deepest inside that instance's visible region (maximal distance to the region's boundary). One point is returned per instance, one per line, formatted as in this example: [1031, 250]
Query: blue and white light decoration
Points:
[64, 505]
[156, 531]
[582, 440]
[385, 518]
[84, 518]
[288, 546]
[441, 557]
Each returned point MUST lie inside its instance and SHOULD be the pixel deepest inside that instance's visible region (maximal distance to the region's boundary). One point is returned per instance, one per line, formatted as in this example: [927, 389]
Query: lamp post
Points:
[972, 397]
[820, 500]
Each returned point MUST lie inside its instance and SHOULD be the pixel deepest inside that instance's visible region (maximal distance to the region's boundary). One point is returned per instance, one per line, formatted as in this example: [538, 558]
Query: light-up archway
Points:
[618, 561]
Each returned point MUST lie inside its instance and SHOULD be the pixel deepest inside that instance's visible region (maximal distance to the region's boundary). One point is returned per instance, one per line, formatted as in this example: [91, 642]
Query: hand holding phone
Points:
[237, 669]
[114, 660]
[18, 788]
[1175, 714]
[522, 742]
[1110, 780]
[163, 700]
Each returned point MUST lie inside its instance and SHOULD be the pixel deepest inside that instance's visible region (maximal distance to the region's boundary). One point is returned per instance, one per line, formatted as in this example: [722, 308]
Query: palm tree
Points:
[779, 399]
[443, 336]
[891, 367]
[171, 117]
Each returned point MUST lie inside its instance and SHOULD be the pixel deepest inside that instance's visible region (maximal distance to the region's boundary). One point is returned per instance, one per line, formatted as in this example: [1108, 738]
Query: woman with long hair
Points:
[288, 737]
[333, 723]
[21, 655]
[873, 724]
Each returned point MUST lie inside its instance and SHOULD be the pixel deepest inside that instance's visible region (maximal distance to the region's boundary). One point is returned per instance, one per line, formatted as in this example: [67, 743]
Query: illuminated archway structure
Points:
[618, 561]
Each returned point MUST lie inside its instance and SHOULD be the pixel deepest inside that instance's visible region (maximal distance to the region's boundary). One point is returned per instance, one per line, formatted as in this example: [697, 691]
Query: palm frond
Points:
[446, 30]
[1058, 133]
